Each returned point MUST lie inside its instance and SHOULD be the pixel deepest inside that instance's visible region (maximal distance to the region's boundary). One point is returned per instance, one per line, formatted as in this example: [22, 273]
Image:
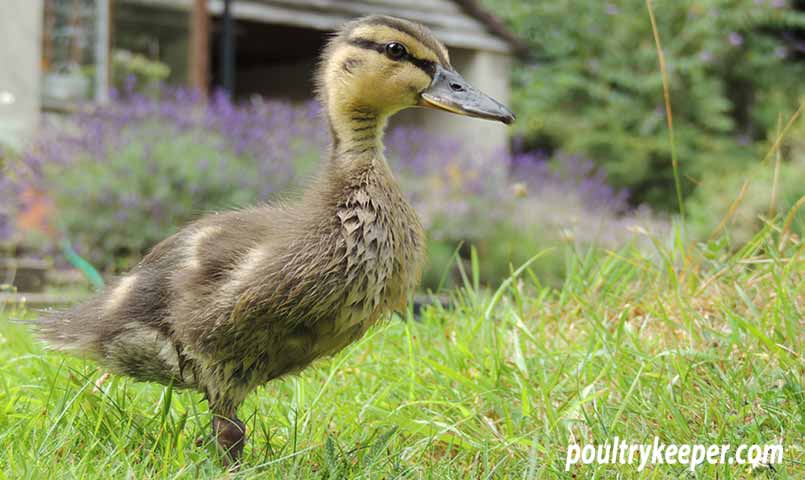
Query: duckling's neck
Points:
[357, 133]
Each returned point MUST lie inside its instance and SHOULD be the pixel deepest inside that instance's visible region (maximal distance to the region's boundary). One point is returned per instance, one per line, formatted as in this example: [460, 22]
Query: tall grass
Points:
[705, 351]
[669, 114]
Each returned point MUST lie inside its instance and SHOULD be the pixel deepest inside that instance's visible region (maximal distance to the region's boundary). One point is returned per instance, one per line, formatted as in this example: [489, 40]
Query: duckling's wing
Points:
[214, 257]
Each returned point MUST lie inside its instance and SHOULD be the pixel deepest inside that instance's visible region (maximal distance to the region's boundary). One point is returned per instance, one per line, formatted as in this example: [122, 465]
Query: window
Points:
[150, 45]
[74, 51]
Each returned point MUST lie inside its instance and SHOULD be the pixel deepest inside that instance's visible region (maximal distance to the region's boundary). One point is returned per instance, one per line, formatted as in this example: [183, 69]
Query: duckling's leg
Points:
[230, 433]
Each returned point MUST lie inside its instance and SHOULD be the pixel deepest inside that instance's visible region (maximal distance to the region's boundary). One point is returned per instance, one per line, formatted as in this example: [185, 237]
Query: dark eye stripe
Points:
[408, 29]
[426, 66]
[367, 44]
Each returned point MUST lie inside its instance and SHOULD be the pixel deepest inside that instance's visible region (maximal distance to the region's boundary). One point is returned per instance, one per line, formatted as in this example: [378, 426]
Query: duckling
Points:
[237, 299]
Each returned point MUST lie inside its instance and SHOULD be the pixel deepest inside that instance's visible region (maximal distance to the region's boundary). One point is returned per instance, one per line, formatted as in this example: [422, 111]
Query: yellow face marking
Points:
[376, 81]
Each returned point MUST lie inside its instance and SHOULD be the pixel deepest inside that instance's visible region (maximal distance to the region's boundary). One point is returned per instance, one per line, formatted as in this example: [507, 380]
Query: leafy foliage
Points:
[597, 90]
[750, 198]
[133, 69]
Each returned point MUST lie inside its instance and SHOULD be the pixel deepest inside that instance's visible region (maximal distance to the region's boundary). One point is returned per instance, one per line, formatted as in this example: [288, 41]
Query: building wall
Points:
[19, 70]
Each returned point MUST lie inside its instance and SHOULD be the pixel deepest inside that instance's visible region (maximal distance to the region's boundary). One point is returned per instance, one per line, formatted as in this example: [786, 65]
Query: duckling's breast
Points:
[382, 254]
[375, 257]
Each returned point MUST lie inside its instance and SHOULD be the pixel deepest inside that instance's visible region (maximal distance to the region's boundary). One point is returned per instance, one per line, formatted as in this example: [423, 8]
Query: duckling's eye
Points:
[395, 50]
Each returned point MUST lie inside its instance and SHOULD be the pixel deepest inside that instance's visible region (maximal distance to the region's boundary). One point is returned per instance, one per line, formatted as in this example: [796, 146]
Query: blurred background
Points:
[122, 120]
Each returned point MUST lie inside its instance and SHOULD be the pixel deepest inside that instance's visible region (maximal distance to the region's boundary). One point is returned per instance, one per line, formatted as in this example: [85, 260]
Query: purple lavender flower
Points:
[735, 39]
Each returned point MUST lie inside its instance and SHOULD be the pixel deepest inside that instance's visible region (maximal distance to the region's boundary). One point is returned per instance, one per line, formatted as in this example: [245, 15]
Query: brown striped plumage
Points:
[237, 299]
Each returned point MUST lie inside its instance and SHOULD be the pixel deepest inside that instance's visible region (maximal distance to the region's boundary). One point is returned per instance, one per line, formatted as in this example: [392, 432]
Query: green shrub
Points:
[713, 200]
[132, 69]
[598, 91]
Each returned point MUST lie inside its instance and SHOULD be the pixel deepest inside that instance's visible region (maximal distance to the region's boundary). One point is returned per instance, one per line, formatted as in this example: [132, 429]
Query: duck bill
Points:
[450, 92]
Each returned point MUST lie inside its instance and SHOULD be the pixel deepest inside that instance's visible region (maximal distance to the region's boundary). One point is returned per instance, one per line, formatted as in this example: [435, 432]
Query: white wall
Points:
[20, 57]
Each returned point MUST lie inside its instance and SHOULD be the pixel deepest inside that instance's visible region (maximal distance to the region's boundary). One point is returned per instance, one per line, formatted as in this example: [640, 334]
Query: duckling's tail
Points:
[74, 329]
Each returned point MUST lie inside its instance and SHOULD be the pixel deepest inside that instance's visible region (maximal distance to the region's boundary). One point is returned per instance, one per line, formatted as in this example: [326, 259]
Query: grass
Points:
[704, 348]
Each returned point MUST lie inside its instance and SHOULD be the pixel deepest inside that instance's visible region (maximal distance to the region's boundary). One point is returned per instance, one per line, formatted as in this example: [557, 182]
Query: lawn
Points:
[692, 344]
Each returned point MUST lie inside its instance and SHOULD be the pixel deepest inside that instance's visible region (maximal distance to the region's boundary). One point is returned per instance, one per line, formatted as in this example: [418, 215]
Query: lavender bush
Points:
[562, 200]
[126, 175]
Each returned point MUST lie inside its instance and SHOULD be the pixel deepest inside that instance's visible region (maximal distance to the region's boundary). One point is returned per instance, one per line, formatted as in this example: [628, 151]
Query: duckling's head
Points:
[378, 65]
